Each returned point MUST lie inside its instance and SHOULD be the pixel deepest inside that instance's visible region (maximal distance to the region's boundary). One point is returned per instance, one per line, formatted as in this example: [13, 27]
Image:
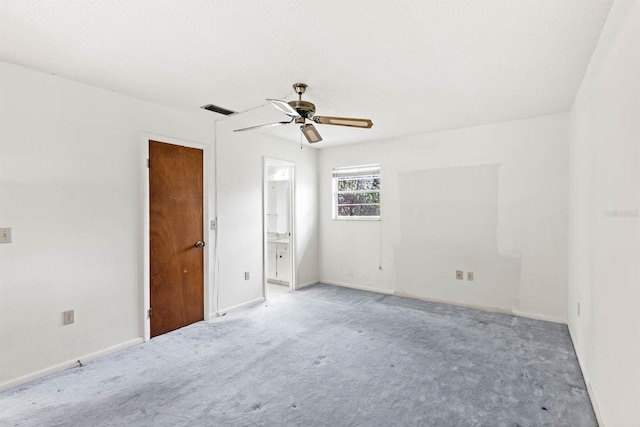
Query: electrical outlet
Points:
[246, 275]
[5, 235]
[67, 317]
[459, 275]
[470, 275]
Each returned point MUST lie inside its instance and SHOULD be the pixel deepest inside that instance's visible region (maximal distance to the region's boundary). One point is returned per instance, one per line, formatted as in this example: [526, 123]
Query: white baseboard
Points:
[306, 284]
[239, 306]
[457, 304]
[442, 301]
[594, 403]
[67, 365]
[544, 317]
[585, 375]
[359, 287]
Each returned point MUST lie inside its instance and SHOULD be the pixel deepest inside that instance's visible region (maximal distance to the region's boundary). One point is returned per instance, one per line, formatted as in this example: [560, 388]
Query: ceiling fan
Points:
[300, 111]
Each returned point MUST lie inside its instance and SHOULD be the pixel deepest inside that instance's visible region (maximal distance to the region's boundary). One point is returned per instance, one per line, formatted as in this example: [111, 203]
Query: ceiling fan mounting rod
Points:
[305, 109]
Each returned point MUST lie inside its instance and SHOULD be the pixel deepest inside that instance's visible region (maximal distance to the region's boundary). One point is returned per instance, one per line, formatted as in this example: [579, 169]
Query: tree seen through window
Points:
[357, 192]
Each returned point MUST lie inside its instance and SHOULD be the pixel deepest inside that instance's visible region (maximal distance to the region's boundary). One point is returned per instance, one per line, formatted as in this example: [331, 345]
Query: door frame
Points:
[145, 292]
[266, 162]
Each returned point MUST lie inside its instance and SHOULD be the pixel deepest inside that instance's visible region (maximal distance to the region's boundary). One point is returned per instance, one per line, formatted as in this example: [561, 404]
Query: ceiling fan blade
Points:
[284, 107]
[343, 121]
[311, 133]
[263, 126]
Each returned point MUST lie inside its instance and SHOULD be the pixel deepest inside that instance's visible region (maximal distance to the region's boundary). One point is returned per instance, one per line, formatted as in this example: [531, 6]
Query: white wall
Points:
[240, 219]
[71, 187]
[489, 199]
[605, 227]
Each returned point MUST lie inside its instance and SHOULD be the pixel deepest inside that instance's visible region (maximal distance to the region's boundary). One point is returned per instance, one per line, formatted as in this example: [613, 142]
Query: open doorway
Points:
[278, 213]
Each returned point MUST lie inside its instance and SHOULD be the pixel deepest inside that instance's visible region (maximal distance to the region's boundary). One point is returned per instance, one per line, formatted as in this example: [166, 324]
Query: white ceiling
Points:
[411, 66]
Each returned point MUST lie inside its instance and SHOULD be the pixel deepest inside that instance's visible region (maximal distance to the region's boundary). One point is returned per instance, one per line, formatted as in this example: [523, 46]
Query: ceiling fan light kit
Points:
[300, 111]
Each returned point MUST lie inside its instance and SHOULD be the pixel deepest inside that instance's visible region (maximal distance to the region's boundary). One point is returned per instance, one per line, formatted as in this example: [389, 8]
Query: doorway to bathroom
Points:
[278, 213]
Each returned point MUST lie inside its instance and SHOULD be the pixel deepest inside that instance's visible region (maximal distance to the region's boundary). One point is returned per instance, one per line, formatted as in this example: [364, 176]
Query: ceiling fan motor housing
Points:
[304, 108]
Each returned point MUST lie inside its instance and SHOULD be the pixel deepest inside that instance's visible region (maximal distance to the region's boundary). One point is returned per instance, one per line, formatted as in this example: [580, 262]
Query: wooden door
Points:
[175, 225]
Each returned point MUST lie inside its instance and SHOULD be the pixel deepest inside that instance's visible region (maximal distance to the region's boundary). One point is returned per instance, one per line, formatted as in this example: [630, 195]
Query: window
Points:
[356, 192]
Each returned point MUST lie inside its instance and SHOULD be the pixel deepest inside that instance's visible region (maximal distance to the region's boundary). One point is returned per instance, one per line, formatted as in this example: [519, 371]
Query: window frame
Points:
[355, 172]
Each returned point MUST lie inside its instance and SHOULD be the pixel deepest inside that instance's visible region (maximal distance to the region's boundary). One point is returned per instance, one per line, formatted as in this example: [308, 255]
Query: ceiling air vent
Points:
[218, 110]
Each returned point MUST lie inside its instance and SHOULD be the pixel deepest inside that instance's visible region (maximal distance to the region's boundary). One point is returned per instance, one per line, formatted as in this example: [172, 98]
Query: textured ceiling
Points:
[410, 66]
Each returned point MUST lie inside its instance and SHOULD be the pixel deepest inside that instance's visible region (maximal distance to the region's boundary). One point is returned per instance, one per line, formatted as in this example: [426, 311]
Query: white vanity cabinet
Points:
[272, 249]
[278, 262]
[282, 262]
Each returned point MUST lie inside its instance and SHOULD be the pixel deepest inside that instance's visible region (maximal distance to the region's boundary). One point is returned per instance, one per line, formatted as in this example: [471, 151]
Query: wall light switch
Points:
[469, 275]
[5, 235]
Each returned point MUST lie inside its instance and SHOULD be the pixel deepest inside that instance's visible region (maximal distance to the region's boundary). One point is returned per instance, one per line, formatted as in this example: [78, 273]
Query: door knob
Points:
[199, 244]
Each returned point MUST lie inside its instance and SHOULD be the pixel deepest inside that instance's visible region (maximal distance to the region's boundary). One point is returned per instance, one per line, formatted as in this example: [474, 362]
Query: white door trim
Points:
[269, 161]
[145, 293]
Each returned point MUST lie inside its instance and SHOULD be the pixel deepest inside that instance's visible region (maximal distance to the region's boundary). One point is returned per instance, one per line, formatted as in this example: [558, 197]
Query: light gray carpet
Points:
[325, 356]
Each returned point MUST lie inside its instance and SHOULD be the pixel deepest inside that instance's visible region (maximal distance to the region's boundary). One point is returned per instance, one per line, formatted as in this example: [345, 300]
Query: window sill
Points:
[357, 218]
